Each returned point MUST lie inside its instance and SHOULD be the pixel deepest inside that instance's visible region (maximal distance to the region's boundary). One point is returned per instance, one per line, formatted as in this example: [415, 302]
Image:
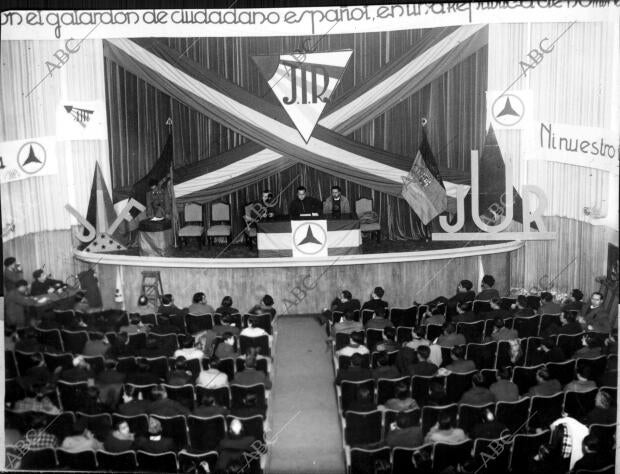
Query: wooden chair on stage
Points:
[220, 222]
[194, 224]
[363, 209]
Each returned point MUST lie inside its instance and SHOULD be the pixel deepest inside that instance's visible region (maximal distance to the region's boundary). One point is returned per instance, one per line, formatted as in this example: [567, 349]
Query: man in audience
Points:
[501, 332]
[189, 350]
[164, 406]
[355, 371]
[388, 344]
[464, 293]
[16, 303]
[591, 347]
[444, 432]
[548, 351]
[488, 292]
[42, 284]
[264, 306]
[384, 370]
[603, 412]
[574, 302]
[419, 338]
[521, 309]
[423, 366]
[402, 400]
[12, 273]
[547, 305]
[434, 316]
[336, 204]
[167, 306]
[343, 303]
[478, 394]
[249, 375]
[144, 306]
[464, 313]
[375, 300]
[226, 348]
[403, 434]
[82, 439]
[363, 402]
[199, 306]
[459, 365]
[227, 324]
[582, 382]
[233, 445]
[180, 375]
[379, 321]
[208, 407]
[110, 382]
[488, 427]
[595, 318]
[80, 372]
[142, 375]
[355, 346]
[133, 404]
[226, 307]
[155, 442]
[593, 458]
[570, 325]
[347, 325]
[450, 338]
[545, 384]
[504, 389]
[210, 377]
[496, 310]
[120, 439]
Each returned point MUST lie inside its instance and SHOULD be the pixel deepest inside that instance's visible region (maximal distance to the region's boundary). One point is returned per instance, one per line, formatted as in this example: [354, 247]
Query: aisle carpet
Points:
[305, 430]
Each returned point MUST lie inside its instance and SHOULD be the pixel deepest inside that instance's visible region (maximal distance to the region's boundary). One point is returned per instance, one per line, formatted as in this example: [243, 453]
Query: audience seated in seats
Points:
[419, 338]
[264, 306]
[226, 348]
[233, 445]
[564, 447]
[144, 306]
[120, 439]
[464, 293]
[80, 372]
[12, 273]
[167, 306]
[384, 370]
[249, 375]
[36, 377]
[570, 325]
[363, 401]
[402, 400]
[39, 437]
[91, 403]
[593, 457]
[444, 432]
[423, 366]
[403, 434]
[375, 300]
[209, 407]
[545, 384]
[520, 308]
[42, 284]
[547, 305]
[355, 371]
[405, 358]
[501, 332]
[155, 442]
[603, 412]
[36, 402]
[496, 310]
[210, 377]
[464, 313]
[344, 302]
[142, 375]
[199, 305]
[478, 394]
[97, 345]
[582, 382]
[610, 376]
[226, 307]
[594, 316]
[249, 407]
[378, 320]
[437, 395]
[347, 325]
[459, 365]
[548, 351]
[450, 338]
[110, 382]
[189, 349]
[135, 325]
[133, 404]
[82, 439]
[574, 301]
[388, 344]
[488, 427]
[164, 326]
[227, 324]
[252, 330]
[434, 315]
[355, 346]
[180, 375]
[163, 406]
[488, 292]
[591, 348]
[504, 389]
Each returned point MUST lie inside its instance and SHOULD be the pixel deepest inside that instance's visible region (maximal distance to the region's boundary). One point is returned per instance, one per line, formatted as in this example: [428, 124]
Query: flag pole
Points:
[173, 214]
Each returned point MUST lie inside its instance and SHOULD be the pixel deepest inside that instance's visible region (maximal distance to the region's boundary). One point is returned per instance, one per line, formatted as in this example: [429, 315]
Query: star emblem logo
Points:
[310, 238]
[31, 157]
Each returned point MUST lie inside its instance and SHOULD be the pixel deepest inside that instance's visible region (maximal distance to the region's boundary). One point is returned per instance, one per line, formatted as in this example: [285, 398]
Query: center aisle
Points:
[305, 434]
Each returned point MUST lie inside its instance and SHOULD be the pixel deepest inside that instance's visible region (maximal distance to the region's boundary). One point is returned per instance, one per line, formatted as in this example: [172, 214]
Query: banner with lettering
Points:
[28, 158]
[590, 147]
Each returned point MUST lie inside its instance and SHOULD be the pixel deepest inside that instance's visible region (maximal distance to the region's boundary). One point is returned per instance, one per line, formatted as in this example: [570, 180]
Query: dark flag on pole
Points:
[160, 170]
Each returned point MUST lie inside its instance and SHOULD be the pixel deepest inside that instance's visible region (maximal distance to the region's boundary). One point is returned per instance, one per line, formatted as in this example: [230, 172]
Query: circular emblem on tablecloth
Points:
[309, 238]
[31, 157]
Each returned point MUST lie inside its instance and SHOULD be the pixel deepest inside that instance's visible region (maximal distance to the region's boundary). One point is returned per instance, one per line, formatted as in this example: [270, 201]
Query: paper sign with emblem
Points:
[28, 158]
[510, 110]
[309, 238]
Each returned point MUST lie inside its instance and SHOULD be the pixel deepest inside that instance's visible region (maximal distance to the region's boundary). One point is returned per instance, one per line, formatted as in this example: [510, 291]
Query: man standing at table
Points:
[336, 204]
[15, 304]
[303, 204]
[12, 273]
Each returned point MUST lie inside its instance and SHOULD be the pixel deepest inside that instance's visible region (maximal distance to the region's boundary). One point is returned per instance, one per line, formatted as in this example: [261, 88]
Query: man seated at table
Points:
[42, 284]
[303, 204]
[336, 204]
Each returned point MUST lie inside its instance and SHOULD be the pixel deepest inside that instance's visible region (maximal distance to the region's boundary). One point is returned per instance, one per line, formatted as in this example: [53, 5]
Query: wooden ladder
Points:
[152, 287]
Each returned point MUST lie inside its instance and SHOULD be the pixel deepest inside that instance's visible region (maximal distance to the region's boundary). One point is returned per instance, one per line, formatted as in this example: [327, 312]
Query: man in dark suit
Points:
[574, 301]
[42, 284]
[496, 310]
[303, 204]
[12, 273]
[478, 394]
[521, 309]
[404, 434]
[250, 376]
[488, 292]
[155, 442]
[504, 389]
[167, 306]
[132, 404]
[163, 406]
[375, 300]
[423, 367]
[570, 325]
[355, 372]
[459, 365]
[547, 306]
[15, 304]
[596, 319]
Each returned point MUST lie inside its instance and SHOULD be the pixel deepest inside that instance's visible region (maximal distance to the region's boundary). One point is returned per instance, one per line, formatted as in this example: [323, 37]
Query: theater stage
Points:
[304, 285]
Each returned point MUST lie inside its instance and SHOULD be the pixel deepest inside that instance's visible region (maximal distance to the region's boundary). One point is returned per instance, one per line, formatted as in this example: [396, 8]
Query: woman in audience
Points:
[402, 400]
[582, 382]
[264, 306]
[444, 432]
[82, 439]
[603, 412]
[120, 439]
[226, 307]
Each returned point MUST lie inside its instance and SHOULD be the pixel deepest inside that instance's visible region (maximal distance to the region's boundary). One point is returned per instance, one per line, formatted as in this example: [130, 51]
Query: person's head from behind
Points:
[382, 359]
[228, 338]
[250, 361]
[602, 400]
[576, 294]
[207, 400]
[249, 400]
[458, 352]
[336, 192]
[142, 301]
[504, 373]
[521, 301]
[357, 338]
[379, 312]
[378, 293]
[301, 193]
[364, 395]
[403, 420]
[227, 302]
[167, 299]
[498, 322]
[154, 426]
[495, 303]
[356, 360]
[419, 332]
[180, 363]
[444, 421]
[424, 353]
[465, 286]
[401, 391]
[389, 333]
[546, 297]
[543, 375]
[478, 380]
[345, 296]
[569, 316]
[198, 298]
[449, 328]
[267, 300]
[590, 444]
[488, 281]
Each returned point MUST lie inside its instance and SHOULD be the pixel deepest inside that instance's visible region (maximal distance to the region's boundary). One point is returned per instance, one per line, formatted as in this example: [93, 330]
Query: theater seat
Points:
[469, 415]
[221, 395]
[349, 390]
[430, 415]
[524, 448]
[362, 428]
[445, 455]
[491, 456]
[138, 424]
[364, 459]
[80, 461]
[198, 323]
[403, 460]
[386, 388]
[37, 460]
[174, 427]
[117, 462]
[164, 462]
[189, 462]
[545, 410]
[205, 434]
[579, 404]
[252, 425]
[513, 414]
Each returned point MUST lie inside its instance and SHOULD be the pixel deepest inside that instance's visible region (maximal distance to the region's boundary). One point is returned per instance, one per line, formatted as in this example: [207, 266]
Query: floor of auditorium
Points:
[305, 430]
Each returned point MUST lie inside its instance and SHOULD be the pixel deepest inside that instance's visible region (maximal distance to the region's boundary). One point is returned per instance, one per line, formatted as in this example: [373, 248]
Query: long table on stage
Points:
[309, 237]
